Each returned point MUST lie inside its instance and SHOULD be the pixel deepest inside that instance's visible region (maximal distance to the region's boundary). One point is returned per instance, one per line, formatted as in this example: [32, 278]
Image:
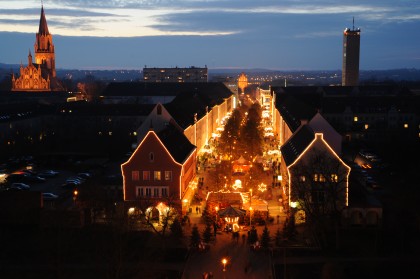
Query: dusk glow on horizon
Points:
[283, 35]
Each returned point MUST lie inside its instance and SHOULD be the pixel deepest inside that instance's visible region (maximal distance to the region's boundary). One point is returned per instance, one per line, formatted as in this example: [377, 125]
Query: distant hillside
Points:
[375, 76]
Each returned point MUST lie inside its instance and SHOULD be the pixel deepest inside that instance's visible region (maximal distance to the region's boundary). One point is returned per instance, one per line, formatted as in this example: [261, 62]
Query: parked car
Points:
[49, 196]
[48, 173]
[33, 178]
[29, 171]
[74, 180]
[20, 185]
[84, 175]
[16, 177]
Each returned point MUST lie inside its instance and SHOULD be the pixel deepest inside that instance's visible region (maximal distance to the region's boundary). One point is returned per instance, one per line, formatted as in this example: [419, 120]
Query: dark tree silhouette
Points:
[207, 233]
[265, 238]
[195, 236]
[278, 238]
[230, 134]
[289, 229]
[176, 229]
[252, 235]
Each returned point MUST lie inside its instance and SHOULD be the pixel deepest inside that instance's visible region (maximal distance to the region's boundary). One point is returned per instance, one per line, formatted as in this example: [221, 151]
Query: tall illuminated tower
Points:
[351, 57]
[44, 47]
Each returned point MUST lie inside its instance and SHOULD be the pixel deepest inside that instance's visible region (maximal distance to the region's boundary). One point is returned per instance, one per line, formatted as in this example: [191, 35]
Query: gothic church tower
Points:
[40, 75]
[44, 47]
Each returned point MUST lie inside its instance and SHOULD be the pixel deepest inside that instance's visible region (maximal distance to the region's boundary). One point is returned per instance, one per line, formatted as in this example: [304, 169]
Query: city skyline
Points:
[293, 35]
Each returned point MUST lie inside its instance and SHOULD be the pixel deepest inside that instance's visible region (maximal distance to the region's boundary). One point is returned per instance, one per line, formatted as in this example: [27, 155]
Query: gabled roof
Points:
[161, 88]
[318, 124]
[43, 27]
[297, 144]
[187, 99]
[141, 89]
[176, 142]
[195, 101]
[293, 111]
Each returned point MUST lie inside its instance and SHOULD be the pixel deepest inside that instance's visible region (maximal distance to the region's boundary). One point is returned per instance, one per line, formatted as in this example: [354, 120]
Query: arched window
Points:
[151, 157]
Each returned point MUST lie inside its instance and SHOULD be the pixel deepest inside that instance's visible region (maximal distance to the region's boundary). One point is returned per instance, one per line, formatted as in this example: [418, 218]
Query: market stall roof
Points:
[221, 197]
[231, 211]
[241, 165]
[242, 161]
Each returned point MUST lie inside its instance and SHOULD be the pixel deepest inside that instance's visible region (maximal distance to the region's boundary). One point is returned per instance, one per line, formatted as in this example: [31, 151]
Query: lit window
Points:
[146, 175]
[334, 178]
[302, 178]
[168, 175]
[319, 177]
[366, 126]
[355, 119]
[110, 133]
[157, 175]
[135, 175]
[406, 125]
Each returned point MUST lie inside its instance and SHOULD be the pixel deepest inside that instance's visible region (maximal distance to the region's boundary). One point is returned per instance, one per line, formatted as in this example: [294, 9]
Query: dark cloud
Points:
[55, 12]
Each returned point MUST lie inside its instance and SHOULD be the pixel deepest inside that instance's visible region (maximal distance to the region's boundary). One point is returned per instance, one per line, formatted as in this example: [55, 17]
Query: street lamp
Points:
[250, 197]
[224, 262]
[250, 216]
[75, 193]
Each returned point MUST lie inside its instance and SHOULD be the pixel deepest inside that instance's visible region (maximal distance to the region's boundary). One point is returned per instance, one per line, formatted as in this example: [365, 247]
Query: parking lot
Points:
[17, 174]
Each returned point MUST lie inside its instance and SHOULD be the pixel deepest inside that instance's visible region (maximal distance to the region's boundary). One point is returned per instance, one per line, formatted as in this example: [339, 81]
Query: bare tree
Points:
[319, 185]
[161, 212]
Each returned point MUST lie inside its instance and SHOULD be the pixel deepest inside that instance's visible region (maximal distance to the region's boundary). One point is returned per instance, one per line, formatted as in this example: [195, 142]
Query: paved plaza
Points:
[242, 262]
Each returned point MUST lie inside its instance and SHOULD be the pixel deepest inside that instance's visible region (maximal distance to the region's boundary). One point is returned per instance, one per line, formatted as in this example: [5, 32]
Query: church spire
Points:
[30, 58]
[43, 27]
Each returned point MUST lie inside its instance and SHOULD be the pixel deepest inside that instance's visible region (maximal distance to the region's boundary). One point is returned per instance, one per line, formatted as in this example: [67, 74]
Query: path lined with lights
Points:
[240, 261]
